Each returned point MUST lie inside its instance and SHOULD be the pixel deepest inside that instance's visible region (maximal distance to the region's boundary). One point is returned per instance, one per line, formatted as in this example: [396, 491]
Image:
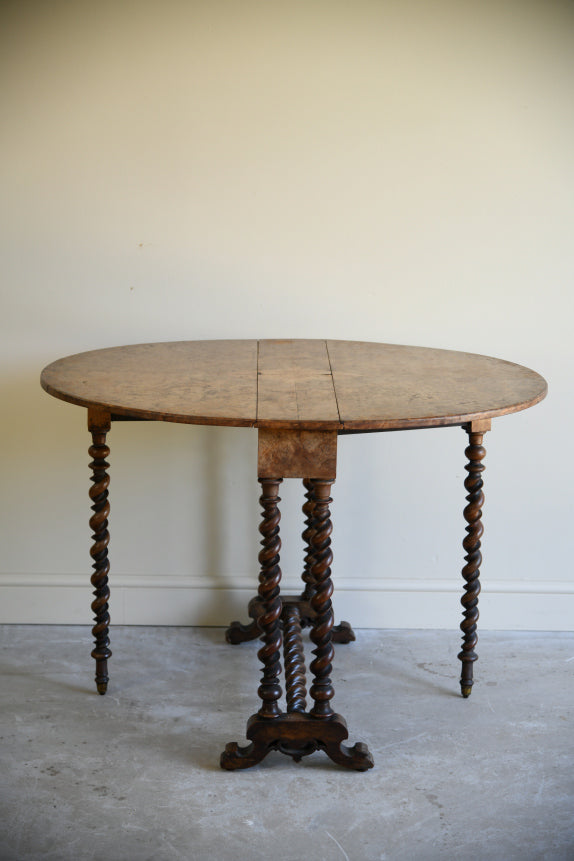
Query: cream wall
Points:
[391, 171]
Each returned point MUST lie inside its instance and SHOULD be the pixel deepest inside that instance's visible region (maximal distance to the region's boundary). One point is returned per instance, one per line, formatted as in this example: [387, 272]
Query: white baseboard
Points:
[366, 603]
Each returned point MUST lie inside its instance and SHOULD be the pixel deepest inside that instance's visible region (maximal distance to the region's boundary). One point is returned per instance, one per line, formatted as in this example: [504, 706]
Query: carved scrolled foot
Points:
[342, 633]
[235, 757]
[237, 633]
[297, 735]
[358, 757]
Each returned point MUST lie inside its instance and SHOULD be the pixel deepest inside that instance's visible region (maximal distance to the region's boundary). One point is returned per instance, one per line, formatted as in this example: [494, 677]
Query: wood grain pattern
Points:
[297, 453]
[295, 385]
[389, 386]
[198, 382]
[306, 384]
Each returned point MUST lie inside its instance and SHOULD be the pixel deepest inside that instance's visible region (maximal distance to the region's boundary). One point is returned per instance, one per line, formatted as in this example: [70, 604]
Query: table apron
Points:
[297, 454]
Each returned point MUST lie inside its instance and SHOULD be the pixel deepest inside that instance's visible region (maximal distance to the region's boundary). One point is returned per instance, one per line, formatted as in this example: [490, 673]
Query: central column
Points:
[311, 455]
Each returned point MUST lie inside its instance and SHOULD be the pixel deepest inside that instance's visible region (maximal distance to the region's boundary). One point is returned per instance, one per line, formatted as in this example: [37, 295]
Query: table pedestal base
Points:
[296, 732]
[278, 622]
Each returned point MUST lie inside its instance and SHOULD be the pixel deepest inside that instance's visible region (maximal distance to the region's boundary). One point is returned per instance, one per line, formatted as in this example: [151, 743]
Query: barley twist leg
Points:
[269, 580]
[473, 483]
[322, 690]
[341, 633]
[307, 536]
[295, 689]
[99, 451]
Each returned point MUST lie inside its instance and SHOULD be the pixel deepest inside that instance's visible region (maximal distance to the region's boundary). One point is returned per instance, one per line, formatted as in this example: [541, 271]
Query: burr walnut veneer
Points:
[300, 395]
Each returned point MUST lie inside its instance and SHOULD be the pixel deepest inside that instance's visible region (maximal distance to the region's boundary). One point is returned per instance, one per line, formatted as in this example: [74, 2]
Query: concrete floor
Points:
[134, 774]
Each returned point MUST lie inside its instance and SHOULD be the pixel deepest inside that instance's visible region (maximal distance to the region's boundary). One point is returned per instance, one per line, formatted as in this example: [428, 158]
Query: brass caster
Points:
[102, 687]
[466, 690]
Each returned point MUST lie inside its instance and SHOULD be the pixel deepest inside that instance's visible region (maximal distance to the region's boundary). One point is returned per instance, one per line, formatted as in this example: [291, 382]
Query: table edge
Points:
[357, 425]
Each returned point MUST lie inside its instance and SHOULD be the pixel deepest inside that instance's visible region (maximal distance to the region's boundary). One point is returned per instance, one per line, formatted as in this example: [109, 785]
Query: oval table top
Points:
[305, 384]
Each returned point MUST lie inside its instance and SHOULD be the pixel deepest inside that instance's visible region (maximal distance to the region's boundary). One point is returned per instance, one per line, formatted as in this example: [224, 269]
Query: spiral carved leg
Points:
[341, 633]
[99, 451]
[269, 599]
[269, 580]
[471, 571]
[294, 661]
[322, 690]
[307, 536]
[240, 633]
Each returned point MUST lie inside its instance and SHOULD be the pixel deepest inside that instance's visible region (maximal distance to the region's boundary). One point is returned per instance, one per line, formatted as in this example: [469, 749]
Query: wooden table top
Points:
[305, 384]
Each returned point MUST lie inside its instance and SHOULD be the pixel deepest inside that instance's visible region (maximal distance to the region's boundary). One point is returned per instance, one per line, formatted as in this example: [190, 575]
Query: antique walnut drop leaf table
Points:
[300, 395]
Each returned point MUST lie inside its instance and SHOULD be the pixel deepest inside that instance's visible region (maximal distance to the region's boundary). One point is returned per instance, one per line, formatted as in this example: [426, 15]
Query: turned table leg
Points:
[341, 633]
[268, 623]
[322, 690]
[307, 536]
[269, 560]
[294, 657]
[473, 483]
[99, 425]
[269, 580]
[333, 730]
